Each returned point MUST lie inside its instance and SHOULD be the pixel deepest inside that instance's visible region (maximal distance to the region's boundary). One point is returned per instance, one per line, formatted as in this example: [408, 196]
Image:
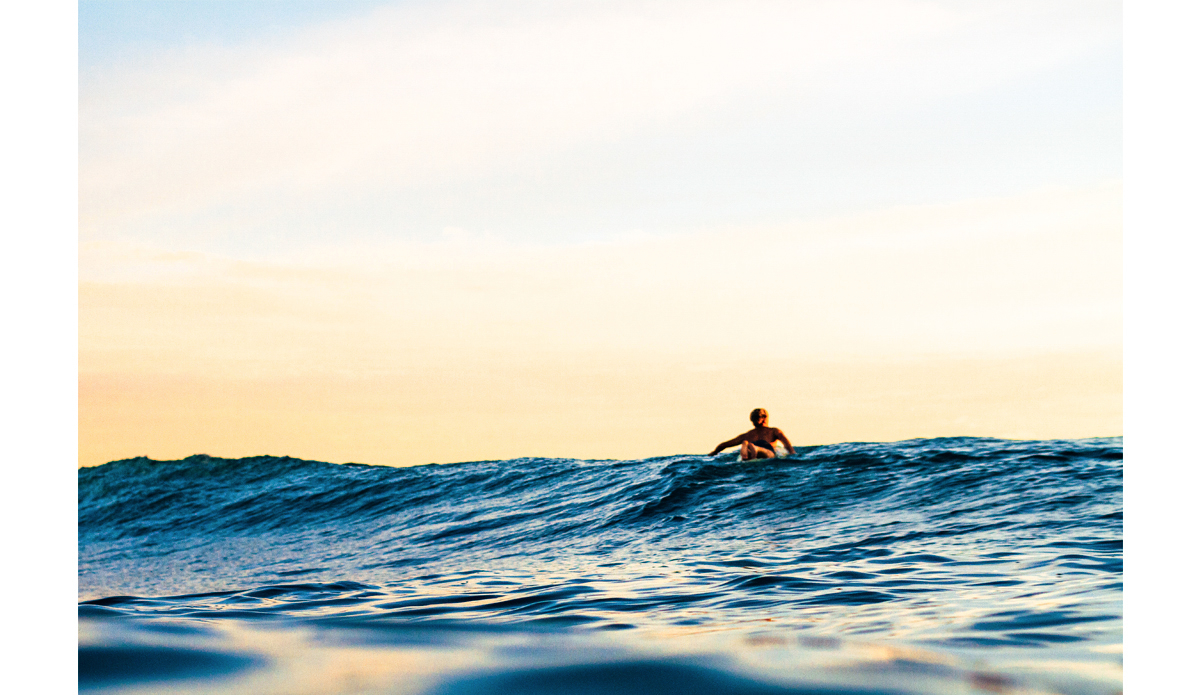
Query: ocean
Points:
[952, 565]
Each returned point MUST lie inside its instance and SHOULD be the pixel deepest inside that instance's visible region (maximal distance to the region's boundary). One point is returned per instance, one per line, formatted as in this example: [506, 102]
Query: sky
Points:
[403, 233]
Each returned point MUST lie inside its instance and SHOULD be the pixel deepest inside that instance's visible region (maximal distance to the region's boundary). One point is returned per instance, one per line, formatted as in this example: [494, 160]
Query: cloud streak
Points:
[1004, 276]
[413, 97]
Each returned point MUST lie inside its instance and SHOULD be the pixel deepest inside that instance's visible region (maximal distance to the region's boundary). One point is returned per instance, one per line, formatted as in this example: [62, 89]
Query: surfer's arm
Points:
[786, 444]
[732, 442]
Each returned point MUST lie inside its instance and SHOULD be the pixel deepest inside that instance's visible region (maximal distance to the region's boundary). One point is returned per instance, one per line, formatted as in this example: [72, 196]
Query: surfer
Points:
[758, 443]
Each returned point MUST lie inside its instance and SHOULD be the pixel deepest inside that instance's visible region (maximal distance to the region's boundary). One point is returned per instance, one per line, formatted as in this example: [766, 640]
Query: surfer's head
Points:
[758, 414]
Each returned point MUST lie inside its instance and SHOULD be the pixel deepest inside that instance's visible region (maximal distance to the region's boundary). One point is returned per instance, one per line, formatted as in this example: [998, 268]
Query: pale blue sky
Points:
[821, 135]
[115, 30]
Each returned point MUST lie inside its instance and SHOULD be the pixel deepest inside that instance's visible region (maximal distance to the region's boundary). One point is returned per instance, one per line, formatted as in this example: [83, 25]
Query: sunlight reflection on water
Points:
[187, 656]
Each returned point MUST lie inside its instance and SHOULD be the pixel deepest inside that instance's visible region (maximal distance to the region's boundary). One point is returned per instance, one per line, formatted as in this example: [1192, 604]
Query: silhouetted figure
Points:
[758, 443]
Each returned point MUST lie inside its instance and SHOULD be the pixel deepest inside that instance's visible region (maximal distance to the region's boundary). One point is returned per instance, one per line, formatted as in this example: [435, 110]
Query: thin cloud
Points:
[421, 96]
[1039, 272]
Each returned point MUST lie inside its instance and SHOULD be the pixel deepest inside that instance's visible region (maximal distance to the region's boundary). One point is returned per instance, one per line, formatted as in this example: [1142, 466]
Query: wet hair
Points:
[756, 412]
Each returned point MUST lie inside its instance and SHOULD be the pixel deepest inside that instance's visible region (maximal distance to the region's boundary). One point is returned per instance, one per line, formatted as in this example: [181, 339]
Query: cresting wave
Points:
[1009, 551]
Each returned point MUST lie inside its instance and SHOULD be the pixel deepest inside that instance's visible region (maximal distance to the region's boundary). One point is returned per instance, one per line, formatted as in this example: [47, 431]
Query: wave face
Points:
[1007, 549]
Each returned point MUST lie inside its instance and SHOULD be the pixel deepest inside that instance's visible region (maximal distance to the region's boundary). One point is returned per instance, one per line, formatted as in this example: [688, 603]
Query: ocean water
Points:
[957, 565]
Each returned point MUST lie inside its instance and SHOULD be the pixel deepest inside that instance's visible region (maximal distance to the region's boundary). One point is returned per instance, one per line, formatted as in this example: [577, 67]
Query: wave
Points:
[970, 547]
[546, 499]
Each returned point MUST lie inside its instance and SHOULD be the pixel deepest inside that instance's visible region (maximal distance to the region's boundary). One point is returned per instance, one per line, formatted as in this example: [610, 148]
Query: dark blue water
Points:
[943, 565]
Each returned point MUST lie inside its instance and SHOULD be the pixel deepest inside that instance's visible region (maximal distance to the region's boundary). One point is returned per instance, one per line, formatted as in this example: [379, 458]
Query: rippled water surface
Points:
[945, 565]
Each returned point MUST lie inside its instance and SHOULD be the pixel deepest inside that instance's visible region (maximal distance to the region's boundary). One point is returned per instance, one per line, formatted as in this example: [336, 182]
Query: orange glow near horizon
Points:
[868, 328]
[596, 410]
